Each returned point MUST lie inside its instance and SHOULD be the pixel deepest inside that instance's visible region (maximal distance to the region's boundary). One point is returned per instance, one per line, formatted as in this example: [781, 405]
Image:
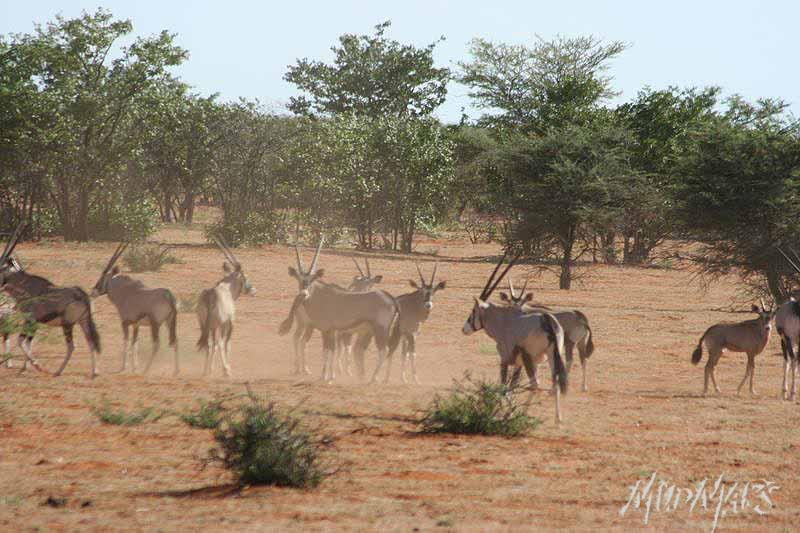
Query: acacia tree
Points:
[87, 99]
[372, 76]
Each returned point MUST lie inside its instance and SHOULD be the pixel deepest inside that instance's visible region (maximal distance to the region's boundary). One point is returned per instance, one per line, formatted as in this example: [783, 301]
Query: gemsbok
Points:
[520, 335]
[330, 308]
[787, 323]
[749, 336]
[216, 310]
[362, 282]
[135, 303]
[41, 302]
[577, 331]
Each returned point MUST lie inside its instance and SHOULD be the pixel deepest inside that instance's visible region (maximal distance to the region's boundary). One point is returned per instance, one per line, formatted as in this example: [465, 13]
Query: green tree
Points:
[370, 75]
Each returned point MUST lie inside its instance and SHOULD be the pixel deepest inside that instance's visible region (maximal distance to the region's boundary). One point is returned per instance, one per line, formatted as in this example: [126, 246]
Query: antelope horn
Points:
[761, 301]
[788, 260]
[225, 251]
[491, 278]
[421, 278]
[502, 275]
[358, 267]
[12, 243]
[297, 253]
[511, 288]
[316, 256]
[433, 276]
[369, 271]
[524, 286]
[115, 256]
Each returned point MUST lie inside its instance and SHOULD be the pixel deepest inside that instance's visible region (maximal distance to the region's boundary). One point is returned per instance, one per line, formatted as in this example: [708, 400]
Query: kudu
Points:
[330, 308]
[577, 331]
[749, 336]
[135, 302]
[787, 323]
[216, 310]
[362, 282]
[520, 335]
[41, 302]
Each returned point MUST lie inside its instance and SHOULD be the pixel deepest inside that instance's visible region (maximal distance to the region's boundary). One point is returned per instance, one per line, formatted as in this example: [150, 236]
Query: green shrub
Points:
[254, 229]
[478, 408]
[263, 446]
[149, 257]
[118, 220]
[108, 415]
[187, 303]
[208, 415]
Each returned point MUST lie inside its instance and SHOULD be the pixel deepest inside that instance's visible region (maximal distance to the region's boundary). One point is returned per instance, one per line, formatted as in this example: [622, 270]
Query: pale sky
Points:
[242, 48]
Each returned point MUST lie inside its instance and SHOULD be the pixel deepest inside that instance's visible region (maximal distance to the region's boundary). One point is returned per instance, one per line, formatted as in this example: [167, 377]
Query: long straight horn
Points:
[511, 288]
[433, 276]
[228, 252]
[525, 286]
[297, 253]
[421, 278]
[788, 260]
[12, 243]
[316, 256]
[502, 275]
[115, 256]
[491, 278]
[369, 270]
[761, 301]
[358, 267]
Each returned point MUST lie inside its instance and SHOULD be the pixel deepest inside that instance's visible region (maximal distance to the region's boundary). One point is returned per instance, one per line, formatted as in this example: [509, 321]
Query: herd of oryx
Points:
[351, 318]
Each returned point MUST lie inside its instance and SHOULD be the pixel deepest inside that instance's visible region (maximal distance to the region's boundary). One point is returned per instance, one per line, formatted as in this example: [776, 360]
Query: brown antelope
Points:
[135, 303]
[216, 310]
[330, 308]
[787, 322]
[41, 302]
[749, 336]
[520, 335]
[577, 331]
[362, 282]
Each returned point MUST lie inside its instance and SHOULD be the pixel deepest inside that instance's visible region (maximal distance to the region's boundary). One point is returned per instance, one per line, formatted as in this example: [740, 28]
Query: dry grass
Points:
[643, 413]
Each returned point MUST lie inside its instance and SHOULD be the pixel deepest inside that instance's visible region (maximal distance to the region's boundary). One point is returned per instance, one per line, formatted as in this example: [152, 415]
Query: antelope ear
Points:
[377, 279]
[115, 271]
[481, 303]
[504, 297]
[293, 272]
[413, 283]
[226, 267]
[755, 309]
[529, 297]
[441, 285]
[319, 273]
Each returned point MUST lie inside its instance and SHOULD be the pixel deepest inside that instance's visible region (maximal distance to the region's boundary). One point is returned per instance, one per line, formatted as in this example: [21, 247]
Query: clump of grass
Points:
[208, 414]
[149, 257]
[187, 303]
[118, 417]
[478, 408]
[263, 446]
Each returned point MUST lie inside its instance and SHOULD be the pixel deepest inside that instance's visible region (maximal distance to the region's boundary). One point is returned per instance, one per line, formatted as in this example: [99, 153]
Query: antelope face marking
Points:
[101, 287]
[364, 283]
[428, 290]
[474, 322]
[305, 280]
[240, 278]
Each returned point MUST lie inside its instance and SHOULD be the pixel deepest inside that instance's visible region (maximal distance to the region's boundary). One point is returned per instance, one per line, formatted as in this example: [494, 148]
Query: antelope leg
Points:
[70, 348]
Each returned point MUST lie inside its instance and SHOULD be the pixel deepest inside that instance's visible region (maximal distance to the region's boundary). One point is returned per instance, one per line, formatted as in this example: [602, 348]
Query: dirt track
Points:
[643, 412]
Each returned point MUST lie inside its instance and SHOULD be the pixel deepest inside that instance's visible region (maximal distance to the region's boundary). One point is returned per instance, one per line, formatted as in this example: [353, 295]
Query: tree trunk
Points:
[565, 279]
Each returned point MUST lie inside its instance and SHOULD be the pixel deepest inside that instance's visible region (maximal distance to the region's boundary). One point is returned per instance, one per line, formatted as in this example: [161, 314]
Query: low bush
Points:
[149, 257]
[118, 417]
[208, 415]
[478, 407]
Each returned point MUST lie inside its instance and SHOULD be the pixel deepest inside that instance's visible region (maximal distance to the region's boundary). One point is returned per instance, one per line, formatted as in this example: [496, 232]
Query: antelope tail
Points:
[396, 334]
[92, 335]
[286, 325]
[590, 340]
[207, 301]
[556, 334]
[173, 320]
[697, 354]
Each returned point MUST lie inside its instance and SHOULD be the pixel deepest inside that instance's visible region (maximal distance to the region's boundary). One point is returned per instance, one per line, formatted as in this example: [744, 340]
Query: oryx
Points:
[749, 336]
[362, 282]
[577, 331]
[330, 308]
[8, 326]
[216, 310]
[415, 308]
[787, 322]
[135, 302]
[520, 334]
[41, 302]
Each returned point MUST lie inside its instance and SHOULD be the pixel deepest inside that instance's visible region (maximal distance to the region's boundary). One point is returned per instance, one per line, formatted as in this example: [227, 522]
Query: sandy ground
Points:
[643, 413]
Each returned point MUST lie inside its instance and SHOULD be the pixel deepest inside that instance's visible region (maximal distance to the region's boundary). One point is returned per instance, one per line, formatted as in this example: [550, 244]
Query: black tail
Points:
[207, 300]
[286, 325]
[173, 320]
[559, 370]
[697, 354]
[396, 334]
[590, 341]
[92, 335]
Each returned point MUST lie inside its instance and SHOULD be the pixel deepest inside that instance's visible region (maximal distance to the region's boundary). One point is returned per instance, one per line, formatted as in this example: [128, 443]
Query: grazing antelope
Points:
[330, 308]
[216, 310]
[135, 302]
[41, 302]
[520, 335]
[363, 282]
[749, 336]
[577, 331]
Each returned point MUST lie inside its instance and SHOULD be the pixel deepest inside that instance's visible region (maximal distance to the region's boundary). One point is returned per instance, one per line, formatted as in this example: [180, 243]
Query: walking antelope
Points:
[41, 302]
[363, 282]
[787, 322]
[520, 334]
[749, 336]
[577, 331]
[135, 302]
[216, 310]
[330, 308]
